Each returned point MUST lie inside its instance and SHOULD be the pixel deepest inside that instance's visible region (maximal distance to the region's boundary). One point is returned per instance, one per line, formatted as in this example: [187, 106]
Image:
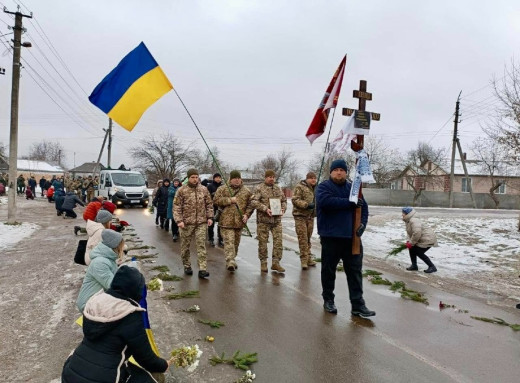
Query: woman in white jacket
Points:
[94, 229]
[420, 239]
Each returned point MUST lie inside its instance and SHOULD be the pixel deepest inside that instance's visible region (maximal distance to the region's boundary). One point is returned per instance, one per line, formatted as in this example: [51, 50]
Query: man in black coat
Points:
[42, 183]
[212, 188]
[161, 203]
[335, 215]
[69, 203]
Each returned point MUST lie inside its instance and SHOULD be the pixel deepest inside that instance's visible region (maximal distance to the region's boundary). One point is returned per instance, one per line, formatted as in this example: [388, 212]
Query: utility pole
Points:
[15, 93]
[109, 142]
[455, 145]
[454, 148]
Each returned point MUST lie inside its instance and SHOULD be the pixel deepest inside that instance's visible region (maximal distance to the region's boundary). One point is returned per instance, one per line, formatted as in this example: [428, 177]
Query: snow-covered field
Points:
[10, 235]
[466, 244]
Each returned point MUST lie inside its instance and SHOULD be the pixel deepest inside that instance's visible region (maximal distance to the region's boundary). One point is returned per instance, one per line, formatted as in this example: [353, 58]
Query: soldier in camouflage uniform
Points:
[267, 222]
[193, 213]
[304, 213]
[235, 203]
[88, 184]
[78, 187]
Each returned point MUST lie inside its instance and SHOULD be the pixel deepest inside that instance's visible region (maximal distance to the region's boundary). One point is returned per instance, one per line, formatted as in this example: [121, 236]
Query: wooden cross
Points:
[362, 115]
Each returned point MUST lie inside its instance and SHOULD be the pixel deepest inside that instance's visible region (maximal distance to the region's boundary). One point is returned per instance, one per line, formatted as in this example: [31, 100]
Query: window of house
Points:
[501, 189]
[394, 185]
[466, 184]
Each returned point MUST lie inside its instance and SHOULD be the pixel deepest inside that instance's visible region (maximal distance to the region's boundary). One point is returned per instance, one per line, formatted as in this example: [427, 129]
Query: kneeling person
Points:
[235, 203]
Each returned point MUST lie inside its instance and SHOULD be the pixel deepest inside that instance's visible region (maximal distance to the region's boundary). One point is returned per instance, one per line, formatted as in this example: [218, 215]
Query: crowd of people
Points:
[113, 325]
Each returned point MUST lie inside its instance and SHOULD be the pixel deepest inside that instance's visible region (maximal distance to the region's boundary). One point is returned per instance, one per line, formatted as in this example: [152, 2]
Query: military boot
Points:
[304, 263]
[277, 267]
[263, 267]
[311, 262]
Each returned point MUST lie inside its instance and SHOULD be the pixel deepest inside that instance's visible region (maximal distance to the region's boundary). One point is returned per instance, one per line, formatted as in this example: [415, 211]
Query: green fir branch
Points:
[212, 324]
[184, 294]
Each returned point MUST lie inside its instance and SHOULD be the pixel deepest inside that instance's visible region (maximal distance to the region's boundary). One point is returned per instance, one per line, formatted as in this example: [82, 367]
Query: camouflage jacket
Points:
[303, 195]
[230, 217]
[260, 202]
[192, 205]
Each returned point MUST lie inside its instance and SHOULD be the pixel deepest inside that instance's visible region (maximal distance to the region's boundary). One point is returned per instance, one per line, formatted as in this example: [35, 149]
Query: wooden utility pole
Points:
[15, 92]
[455, 145]
[363, 118]
[453, 148]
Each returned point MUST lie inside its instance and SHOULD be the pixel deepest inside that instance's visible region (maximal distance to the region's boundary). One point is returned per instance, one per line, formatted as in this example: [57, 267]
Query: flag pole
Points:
[326, 144]
[212, 156]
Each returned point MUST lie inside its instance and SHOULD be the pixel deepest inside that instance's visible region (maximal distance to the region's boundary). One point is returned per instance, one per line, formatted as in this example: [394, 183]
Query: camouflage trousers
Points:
[187, 234]
[231, 241]
[262, 231]
[304, 228]
[90, 194]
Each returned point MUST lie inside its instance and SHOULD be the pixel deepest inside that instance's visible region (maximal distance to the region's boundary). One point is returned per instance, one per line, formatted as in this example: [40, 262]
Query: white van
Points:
[123, 187]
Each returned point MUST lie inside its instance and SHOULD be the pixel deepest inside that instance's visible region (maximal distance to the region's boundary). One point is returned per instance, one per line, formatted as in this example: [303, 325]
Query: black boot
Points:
[156, 220]
[188, 270]
[203, 274]
[175, 238]
[212, 243]
[162, 223]
[412, 268]
[330, 307]
[167, 225]
[431, 269]
[362, 312]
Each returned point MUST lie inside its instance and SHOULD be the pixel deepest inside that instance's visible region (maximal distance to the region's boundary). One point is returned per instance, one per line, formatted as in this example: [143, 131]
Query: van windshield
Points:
[128, 179]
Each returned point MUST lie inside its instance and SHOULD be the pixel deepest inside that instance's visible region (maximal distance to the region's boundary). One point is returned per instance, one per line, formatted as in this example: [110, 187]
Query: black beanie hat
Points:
[216, 175]
[338, 164]
[165, 180]
[128, 282]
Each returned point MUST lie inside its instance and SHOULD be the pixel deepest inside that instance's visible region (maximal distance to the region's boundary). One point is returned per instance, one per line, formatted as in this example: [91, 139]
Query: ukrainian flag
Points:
[131, 88]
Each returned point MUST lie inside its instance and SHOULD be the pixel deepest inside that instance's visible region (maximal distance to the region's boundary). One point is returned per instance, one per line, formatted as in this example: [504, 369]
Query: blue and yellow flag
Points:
[131, 88]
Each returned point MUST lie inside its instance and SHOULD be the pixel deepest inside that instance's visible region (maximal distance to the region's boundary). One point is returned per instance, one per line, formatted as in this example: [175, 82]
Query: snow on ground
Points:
[3, 200]
[466, 244]
[12, 234]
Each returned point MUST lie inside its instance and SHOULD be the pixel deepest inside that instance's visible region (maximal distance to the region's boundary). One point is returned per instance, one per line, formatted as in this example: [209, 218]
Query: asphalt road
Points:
[281, 317]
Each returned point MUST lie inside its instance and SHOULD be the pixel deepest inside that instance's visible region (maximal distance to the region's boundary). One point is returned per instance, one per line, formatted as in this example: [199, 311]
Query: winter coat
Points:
[71, 200]
[192, 205]
[42, 183]
[57, 185]
[334, 210]
[91, 210]
[59, 198]
[94, 230]
[303, 196]
[20, 181]
[161, 200]
[230, 218]
[260, 202]
[32, 182]
[99, 274]
[47, 185]
[418, 233]
[113, 330]
[50, 192]
[171, 195]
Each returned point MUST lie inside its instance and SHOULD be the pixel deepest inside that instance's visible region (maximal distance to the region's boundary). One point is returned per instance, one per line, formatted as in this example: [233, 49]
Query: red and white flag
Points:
[330, 100]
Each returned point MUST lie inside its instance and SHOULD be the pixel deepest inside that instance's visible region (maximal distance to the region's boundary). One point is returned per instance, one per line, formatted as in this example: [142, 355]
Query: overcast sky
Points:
[252, 72]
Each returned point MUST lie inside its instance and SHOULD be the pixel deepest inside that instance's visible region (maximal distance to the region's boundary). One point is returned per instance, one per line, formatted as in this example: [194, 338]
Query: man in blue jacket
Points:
[335, 226]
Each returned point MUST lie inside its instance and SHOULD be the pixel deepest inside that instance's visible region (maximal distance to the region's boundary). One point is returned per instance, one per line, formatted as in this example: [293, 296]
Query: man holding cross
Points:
[336, 230]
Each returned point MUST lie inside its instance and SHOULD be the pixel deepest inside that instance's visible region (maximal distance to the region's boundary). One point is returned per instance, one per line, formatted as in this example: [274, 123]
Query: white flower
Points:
[193, 366]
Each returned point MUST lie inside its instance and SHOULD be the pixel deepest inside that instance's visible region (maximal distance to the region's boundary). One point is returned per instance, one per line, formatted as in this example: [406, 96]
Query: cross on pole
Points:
[363, 119]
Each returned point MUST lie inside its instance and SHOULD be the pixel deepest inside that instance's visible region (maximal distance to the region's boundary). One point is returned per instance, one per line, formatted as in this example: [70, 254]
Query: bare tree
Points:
[331, 155]
[3, 152]
[505, 125]
[47, 151]
[283, 164]
[385, 161]
[423, 168]
[205, 163]
[161, 157]
[491, 160]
